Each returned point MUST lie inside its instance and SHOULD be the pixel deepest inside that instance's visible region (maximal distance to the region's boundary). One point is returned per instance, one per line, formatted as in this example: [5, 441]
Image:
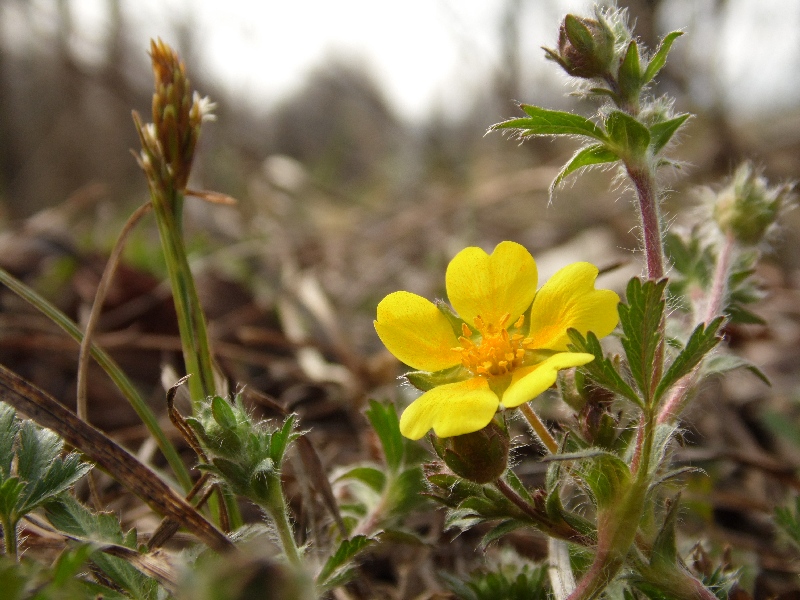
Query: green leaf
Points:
[386, 424]
[701, 342]
[629, 137]
[588, 156]
[641, 324]
[344, 555]
[9, 428]
[74, 519]
[788, 521]
[724, 363]
[405, 491]
[607, 476]
[281, 439]
[541, 121]
[11, 492]
[373, 478]
[38, 448]
[660, 57]
[223, 413]
[62, 474]
[629, 77]
[601, 369]
[661, 133]
[499, 531]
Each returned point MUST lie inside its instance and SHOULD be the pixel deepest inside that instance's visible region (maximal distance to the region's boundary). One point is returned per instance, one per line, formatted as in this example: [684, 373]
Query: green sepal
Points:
[629, 77]
[659, 59]
[661, 133]
[223, 413]
[456, 322]
[588, 156]
[641, 324]
[579, 35]
[628, 137]
[703, 339]
[338, 568]
[601, 369]
[425, 380]
[541, 121]
[281, 439]
[386, 424]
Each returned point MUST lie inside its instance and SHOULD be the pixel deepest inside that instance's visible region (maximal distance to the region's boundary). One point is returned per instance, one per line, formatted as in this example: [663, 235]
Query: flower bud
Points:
[585, 47]
[746, 208]
[481, 457]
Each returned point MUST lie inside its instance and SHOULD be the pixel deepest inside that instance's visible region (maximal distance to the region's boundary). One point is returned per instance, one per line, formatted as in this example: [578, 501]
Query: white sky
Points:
[428, 52]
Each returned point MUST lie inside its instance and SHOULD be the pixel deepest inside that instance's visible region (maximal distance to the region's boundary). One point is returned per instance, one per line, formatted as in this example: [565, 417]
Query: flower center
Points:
[497, 352]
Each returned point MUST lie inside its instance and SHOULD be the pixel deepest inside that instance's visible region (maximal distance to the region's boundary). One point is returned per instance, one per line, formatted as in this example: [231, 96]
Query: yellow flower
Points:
[512, 340]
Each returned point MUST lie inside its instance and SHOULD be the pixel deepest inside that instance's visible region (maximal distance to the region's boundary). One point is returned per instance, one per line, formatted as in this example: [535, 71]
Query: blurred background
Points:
[352, 134]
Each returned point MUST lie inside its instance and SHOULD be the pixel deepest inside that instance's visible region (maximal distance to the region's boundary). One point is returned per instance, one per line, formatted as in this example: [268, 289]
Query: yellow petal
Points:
[416, 332]
[491, 285]
[567, 300]
[450, 409]
[529, 382]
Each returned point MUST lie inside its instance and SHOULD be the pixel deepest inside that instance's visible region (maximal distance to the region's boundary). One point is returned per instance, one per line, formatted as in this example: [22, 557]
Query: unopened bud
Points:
[585, 47]
[747, 207]
[481, 457]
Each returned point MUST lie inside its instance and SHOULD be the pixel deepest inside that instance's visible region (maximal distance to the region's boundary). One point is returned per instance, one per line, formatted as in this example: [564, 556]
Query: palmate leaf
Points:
[703, 339]
[62, 474]
[541, 121]
[589, 156]
[74, 519]
[641, 324]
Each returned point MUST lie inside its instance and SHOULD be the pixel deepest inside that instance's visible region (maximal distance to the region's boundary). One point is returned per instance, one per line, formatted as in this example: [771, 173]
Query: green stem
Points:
[276, 508]
[111, 368]
[10, 537]
[191, 320]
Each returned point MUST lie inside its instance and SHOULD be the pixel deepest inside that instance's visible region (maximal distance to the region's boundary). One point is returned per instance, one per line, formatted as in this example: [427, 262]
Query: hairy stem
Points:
[9, 538]
[276, 508]
[539, 428]
[715, 305]
[644, 182]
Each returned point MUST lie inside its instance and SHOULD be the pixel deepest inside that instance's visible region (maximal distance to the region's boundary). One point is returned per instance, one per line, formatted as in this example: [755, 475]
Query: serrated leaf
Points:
[74, 519]
[661, 133]
[541, 121]
[723, 363]
[9, 428]
[596, 154]
[11, 491]
[62, 474]
[405, 491]
[38, 448]
[703, 339]
[499, 531]
[345, 553]
[605, 474]
[601, 369]
[386, 424]
[641, 323]
[630, 72]
[660, 57]
[629, 137]
[373, 478]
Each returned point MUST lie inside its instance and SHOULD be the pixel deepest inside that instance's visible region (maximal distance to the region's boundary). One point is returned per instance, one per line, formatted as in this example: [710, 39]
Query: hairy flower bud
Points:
[747, 207]
[481, 456]
[585, 47]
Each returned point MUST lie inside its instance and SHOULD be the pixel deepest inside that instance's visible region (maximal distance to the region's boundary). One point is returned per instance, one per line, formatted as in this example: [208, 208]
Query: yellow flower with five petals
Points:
[505, 347]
